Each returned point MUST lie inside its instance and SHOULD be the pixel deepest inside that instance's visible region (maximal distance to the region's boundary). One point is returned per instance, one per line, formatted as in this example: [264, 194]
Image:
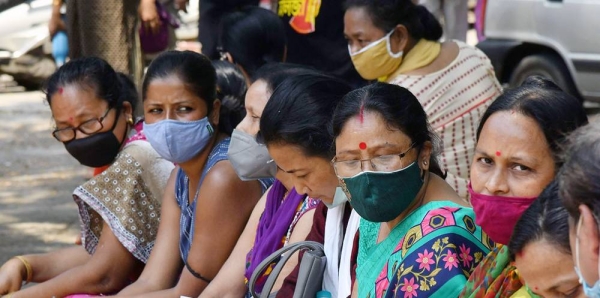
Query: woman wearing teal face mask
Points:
[580, 191]
[417, 237]
[396, 41]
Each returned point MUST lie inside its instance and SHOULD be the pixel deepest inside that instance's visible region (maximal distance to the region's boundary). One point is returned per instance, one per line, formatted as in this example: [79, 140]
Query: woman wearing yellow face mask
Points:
[396, 41]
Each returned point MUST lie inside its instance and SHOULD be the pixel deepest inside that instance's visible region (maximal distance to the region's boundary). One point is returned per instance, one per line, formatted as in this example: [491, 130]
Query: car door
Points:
[573, 26]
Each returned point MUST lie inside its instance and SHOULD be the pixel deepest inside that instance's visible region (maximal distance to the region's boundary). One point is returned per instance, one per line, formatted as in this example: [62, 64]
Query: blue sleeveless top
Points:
[186, 223]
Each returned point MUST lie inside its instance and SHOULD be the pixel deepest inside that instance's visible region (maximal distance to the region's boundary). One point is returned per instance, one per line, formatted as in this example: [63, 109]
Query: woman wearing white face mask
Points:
[397, 42]
[294, 126]
[579, 186]
[282, 216]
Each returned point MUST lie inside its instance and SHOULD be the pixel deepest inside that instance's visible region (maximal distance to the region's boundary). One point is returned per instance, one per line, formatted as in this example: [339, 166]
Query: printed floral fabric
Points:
[495, 277]
[431, 253]
[127, 196]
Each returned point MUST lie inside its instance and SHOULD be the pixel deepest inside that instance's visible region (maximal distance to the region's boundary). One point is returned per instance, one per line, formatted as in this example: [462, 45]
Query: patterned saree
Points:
[431, 253]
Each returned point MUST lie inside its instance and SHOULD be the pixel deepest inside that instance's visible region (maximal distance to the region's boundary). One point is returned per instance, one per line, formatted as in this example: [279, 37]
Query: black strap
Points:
[196, 274]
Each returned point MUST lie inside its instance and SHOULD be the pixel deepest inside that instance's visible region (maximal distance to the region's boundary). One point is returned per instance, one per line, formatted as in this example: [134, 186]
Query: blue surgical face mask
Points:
[339, 198]
[179, 141]
[590, 291]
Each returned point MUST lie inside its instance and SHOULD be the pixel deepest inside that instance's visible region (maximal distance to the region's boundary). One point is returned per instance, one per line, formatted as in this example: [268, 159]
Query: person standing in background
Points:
[211, 12]
[453, 14]
[314, 31]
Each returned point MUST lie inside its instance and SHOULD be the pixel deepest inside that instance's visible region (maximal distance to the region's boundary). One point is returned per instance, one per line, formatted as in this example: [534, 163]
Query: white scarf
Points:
[336, 278]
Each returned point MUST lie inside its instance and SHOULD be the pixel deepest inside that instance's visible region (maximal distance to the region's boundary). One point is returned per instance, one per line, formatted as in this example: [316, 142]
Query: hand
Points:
[149, 16]
[181, 5]
[11, 276]
[56, 24]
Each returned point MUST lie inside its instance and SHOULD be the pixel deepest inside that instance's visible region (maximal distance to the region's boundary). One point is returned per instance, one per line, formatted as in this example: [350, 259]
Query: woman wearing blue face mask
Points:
[417, 236]
[205, 205]
[541, 249]
[579, 189]
[397, 42]
[282, 216]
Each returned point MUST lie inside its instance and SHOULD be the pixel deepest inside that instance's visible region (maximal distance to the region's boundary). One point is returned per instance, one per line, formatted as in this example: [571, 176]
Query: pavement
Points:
[37, 177]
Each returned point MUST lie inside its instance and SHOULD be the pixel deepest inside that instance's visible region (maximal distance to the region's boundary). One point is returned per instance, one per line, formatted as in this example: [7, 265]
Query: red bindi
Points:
[362, 145]
[498, 153]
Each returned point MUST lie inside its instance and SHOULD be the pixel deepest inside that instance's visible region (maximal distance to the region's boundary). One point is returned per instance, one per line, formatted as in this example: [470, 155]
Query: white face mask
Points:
[590, 291]
[338, 199]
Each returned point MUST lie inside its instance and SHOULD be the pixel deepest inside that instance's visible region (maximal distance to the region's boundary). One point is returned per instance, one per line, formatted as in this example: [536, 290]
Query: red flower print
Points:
[425, 260]
[451, 260]
[465, 255]
[409, 288]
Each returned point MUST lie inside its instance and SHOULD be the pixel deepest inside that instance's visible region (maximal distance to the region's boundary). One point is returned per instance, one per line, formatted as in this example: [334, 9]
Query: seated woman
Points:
[396, 41]
[518, 143]
[282, 216]
[92, 106]
[579, 190]
[541, 250]
[294, 125]
[206, 205]
[417, 236]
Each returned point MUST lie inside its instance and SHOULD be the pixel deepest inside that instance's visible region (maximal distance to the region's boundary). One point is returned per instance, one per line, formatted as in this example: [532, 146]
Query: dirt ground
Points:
[37, 176]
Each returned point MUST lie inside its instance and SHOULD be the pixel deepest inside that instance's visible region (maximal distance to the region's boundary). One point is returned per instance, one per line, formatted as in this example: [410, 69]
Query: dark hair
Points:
[545, 219]
[253, 36]
[299, 113]
[194, 70]
[275, 73]
[556, 112]
[92, 72]
[398, 106]
[579, 178]
[387, 14]
[231, 91]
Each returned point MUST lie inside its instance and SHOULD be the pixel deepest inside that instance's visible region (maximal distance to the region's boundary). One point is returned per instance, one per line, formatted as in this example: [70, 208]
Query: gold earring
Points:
[130, 121]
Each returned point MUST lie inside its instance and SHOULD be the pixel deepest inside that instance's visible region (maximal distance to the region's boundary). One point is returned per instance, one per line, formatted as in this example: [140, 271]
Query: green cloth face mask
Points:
[383, 196]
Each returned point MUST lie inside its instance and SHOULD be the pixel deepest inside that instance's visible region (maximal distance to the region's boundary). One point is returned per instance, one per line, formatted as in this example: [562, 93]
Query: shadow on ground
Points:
[37, 177]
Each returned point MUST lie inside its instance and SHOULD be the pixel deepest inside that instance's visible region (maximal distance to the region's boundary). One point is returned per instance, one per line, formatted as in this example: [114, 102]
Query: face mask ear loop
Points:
[581, 281]
[389, 45]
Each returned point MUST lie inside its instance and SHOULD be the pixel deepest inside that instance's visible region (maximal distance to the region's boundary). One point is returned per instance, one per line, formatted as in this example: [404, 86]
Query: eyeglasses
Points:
[89, 127]
[382, 163]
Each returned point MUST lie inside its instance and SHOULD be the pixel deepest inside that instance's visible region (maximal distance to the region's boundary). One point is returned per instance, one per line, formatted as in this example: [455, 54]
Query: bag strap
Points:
[285, 253]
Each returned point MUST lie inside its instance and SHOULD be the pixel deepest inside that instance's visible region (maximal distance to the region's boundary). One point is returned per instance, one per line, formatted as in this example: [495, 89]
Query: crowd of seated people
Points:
[427, 181]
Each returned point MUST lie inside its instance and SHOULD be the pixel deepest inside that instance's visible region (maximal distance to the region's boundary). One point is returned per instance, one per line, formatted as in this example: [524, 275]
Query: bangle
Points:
[27, 268]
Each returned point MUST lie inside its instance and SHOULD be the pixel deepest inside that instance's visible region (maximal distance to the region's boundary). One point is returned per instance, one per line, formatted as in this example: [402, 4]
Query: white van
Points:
[558, 39]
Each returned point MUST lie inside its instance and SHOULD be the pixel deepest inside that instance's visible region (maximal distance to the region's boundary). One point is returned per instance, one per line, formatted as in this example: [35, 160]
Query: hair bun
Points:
[431, 27]
[541, 82]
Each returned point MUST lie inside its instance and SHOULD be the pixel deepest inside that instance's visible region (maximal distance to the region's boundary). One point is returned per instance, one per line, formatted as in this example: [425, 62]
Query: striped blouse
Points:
[454, 99]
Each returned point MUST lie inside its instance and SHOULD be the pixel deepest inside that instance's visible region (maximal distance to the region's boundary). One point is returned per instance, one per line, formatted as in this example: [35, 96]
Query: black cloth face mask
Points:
[98, 149]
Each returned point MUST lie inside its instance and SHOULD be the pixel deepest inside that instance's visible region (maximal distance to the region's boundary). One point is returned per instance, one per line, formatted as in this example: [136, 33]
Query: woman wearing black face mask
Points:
[92, 106]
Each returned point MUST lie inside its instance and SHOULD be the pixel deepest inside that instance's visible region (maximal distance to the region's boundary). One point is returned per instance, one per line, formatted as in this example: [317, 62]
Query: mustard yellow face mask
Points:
[376, 60]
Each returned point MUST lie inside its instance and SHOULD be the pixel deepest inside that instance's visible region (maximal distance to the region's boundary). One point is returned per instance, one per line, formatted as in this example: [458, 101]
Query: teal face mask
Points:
[382, 196]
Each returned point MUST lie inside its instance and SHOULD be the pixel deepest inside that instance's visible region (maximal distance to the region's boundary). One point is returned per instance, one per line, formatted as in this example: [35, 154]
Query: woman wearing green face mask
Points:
[396, 41]
[417, 237]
